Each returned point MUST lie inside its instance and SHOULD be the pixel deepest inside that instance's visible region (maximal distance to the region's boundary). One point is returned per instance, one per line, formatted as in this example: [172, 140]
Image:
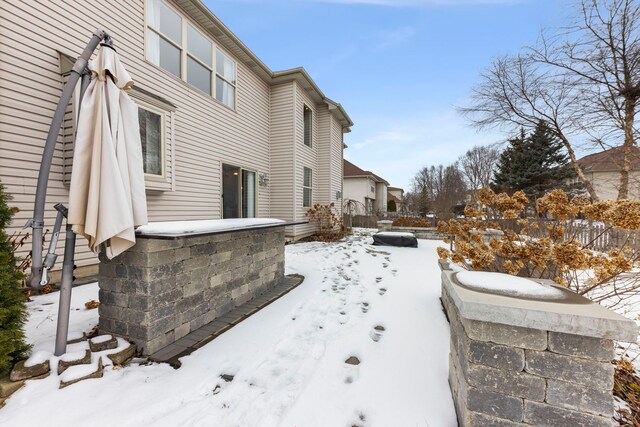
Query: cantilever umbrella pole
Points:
[37, 223]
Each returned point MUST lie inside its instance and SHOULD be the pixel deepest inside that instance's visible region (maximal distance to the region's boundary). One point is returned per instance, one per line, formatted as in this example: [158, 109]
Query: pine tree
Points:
[534, 164]
[12, 306]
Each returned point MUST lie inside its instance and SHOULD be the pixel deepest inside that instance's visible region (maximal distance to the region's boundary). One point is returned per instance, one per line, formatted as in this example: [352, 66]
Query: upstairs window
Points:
[308, 117]
[225, 79]
[164, 37]
[175, 45]
[199, 60]
[307, 188]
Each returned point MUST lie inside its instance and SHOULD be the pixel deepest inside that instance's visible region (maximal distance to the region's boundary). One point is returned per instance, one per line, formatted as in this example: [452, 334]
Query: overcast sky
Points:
[399, 67]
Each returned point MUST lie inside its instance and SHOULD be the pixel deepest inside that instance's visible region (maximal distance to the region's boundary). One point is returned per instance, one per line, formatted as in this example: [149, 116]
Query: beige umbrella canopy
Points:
[107, 198]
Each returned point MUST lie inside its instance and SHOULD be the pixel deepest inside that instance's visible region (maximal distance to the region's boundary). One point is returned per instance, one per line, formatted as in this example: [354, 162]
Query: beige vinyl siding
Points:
[323, 191]
[205, 134]
[335, 172]
[281, 179]
[304, 157]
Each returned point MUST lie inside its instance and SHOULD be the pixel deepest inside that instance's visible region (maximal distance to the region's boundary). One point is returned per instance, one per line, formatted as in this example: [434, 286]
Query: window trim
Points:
[304, 187]
[163, 140]
[184, 54]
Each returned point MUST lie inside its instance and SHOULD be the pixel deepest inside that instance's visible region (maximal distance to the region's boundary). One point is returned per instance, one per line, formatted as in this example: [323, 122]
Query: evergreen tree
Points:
[534, 164]
[12, 307]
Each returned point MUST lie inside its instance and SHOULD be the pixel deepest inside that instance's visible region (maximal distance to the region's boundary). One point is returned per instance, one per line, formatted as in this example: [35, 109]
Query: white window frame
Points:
[163, 139]
[305, 187]
[184, 54]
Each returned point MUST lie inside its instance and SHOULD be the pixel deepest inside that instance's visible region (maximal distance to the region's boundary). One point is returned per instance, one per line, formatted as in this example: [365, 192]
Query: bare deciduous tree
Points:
[477, 166]
[438, 189]
[601, 51]
[581, 80]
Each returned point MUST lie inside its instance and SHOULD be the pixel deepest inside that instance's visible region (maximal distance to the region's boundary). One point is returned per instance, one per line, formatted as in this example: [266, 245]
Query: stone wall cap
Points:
[575, 315]
[208, 227]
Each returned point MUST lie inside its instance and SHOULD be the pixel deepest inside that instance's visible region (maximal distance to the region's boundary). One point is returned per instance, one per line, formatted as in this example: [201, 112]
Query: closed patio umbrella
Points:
[107, 194]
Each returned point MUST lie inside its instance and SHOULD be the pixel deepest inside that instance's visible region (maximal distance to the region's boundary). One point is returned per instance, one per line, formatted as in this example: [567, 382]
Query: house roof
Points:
[352, 171]
[396, 189]
[609, 160]
[210, 22]
[394, 198]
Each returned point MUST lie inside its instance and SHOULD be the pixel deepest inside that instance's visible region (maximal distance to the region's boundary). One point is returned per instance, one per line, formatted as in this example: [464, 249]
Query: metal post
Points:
[64, 307]
[37, 223]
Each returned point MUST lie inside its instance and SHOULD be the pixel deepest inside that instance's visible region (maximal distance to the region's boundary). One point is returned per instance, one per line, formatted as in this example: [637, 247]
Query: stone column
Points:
[517, 362]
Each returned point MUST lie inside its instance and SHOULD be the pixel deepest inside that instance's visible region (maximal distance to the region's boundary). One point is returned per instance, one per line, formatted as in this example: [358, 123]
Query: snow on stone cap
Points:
[204, 226]
[506, 284]
[395, 234]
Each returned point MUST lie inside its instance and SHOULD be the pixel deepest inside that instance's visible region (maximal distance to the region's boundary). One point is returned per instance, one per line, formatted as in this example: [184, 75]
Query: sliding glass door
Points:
[238, 192]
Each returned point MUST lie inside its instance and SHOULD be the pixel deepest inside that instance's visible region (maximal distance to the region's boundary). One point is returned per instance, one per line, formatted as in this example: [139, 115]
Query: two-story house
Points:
[223, 136]
[366, 188]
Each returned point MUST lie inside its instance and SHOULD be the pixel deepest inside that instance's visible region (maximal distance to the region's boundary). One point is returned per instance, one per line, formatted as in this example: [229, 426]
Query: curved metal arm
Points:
[37, 223]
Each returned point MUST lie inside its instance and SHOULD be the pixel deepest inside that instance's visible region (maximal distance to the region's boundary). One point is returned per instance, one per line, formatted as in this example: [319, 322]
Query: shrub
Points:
[555, 244]
[405, 221]
[329, 225]
[12, 306]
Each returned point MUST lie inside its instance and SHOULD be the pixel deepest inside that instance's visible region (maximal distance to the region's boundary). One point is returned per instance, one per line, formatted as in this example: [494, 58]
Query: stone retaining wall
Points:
[428, 233]
[161, 289]
[509, 375]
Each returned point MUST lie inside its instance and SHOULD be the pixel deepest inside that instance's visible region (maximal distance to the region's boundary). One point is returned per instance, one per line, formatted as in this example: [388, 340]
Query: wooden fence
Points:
[600, 237]
[364, 221]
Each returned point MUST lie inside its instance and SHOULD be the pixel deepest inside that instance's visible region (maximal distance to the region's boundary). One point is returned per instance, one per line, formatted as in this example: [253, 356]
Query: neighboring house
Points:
[366, 188]
[397, 195]
[223, 135]
[603, 170]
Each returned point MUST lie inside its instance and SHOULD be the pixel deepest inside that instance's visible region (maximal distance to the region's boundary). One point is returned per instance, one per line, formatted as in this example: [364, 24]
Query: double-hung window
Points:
[199, 60]
[174, 44]
[225, 79]
[307, 188]
[164, 37]
[151, 137]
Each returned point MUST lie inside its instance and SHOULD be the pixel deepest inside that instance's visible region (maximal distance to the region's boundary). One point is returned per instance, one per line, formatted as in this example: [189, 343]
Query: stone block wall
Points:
[428, 233]
[161, 289]
[502, 375]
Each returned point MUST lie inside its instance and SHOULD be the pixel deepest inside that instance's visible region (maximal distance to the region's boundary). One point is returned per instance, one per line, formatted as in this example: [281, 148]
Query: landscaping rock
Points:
[63, 364]
[352, 361]
[102, 343]
[21, 372]
[72, 379]
[123, 355]
[7, 387]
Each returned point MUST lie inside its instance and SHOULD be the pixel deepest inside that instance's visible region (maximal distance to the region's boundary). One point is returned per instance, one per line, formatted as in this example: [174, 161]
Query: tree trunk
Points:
[629, 143]
[574, 162]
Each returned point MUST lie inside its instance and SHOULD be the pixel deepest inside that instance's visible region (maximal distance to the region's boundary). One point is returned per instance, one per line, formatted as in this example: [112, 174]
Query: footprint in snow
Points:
[382, 291]
[378, 279]
[385, 265]
[365, 307]
[343, 318]
[352, 372]
[377, 332]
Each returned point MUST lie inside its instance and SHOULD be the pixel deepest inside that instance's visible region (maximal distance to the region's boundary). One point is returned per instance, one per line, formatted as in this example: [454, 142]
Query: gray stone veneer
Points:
[512, 375]
[161, 289]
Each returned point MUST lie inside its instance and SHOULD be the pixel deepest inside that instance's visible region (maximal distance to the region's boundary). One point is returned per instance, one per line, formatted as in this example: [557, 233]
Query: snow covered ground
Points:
[287, 361]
